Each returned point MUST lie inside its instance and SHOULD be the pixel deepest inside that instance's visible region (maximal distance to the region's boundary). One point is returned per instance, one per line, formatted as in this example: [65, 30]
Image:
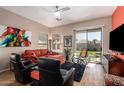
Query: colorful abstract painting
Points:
[14, 37]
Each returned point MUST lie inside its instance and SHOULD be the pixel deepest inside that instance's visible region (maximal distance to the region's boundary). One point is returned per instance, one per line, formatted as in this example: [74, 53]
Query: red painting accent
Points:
[117, 20]
[118, 17]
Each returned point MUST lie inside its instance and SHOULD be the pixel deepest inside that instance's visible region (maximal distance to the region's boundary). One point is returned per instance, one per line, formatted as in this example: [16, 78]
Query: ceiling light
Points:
[57, 14]
[58, 19]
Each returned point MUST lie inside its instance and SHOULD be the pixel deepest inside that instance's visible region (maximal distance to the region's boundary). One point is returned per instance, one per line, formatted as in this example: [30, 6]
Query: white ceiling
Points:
[44, 14]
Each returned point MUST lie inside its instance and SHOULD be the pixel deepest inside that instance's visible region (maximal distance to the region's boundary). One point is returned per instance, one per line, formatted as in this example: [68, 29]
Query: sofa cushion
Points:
[58, 57]
[29, 52]
[43, 52]
[37, 52]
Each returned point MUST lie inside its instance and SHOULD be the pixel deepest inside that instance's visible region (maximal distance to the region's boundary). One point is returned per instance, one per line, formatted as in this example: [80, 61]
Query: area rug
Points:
[79, 69]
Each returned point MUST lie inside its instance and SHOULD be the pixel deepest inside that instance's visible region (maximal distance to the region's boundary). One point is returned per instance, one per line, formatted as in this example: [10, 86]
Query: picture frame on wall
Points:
[43, 40]
[68, 41]
[14, 37]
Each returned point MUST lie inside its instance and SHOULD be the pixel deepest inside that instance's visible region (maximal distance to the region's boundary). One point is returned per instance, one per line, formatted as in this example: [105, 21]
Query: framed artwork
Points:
[14, 37]
[56, 42]
[67, 41]
[43, 40]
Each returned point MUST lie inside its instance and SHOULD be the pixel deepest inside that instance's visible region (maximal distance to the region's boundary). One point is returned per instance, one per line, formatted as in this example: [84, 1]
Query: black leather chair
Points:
[51, 74]
[22, 68]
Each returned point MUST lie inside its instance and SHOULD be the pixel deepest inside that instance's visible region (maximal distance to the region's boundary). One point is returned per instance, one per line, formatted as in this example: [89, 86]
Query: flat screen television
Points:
[116, 41]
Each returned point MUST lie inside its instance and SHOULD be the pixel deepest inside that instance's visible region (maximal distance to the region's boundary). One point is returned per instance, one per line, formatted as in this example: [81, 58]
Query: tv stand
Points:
[113, 65]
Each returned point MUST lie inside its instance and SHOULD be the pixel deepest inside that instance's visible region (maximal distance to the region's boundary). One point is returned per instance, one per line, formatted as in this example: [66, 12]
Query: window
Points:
[43, 40]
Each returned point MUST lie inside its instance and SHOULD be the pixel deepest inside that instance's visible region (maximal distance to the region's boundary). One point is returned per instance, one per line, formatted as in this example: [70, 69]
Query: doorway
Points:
[91, 40]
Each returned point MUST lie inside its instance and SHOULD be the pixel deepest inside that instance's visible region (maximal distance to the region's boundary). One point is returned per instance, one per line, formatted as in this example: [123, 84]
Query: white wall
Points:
[68, 29]
[10, 19]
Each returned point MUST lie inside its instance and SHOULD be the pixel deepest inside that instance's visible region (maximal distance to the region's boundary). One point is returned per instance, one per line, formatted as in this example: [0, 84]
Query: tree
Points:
[95, 44]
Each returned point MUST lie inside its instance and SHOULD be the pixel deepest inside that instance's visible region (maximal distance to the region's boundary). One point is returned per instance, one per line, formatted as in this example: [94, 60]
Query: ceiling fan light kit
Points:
[58, 14]
[58, 19]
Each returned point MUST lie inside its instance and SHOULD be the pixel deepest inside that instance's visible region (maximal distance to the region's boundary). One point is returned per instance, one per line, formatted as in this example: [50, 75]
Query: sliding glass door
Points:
[94, 44]
[92, 41]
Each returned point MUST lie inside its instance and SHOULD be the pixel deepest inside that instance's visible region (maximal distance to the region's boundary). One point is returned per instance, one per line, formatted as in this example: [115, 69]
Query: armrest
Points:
[35, 68]
[30, 66]
[26, 62]
[69, 74]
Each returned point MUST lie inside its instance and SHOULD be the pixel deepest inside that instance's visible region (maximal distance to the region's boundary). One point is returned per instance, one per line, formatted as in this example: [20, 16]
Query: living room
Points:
[53, 35]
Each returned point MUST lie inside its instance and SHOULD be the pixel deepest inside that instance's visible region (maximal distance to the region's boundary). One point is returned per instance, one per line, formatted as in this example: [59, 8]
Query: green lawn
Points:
[90, 53]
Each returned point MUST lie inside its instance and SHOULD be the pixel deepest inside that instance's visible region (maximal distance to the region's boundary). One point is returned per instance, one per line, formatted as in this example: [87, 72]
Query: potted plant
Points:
[67, 52]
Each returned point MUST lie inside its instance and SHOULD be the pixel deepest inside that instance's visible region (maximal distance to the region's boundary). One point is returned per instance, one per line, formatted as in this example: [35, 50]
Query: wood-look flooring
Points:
[93, 76]
[7, 79]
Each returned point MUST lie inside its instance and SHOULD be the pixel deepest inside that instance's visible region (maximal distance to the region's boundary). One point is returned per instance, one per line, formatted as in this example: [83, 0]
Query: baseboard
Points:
[4, 70]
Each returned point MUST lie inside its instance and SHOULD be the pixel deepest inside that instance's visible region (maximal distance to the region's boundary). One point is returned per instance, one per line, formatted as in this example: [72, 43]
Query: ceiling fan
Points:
[58, 12]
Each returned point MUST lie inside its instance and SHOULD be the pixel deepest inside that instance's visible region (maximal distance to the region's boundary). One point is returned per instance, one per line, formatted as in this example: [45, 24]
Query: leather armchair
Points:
[50, 74]
[22, 68]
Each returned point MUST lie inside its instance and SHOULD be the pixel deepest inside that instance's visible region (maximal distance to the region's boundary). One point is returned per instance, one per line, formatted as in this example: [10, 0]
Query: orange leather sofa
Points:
[33, 55]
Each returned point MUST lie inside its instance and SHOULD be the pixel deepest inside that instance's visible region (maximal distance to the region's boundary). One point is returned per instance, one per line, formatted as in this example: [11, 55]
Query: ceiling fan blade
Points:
[48, 9]
[64, 9]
